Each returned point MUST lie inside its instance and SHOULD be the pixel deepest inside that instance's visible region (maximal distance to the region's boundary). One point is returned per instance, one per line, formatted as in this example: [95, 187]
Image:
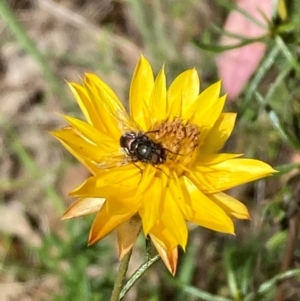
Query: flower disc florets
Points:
[179, 138]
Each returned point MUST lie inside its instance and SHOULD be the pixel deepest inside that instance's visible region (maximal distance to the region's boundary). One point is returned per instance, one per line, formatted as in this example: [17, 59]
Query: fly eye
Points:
[123, 141]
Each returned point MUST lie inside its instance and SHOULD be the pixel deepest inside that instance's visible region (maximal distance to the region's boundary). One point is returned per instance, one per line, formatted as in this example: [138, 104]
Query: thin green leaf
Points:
[278, 81]
[204, 296]
[278, 240]
[264, 287]
[217, 49]
[137, 275]
[260, 73]
[286, 168]
[278, 124]
[221, 31]
[287, 53]
[245, 276]
[272, 283]
[231, 276]
[231, 6]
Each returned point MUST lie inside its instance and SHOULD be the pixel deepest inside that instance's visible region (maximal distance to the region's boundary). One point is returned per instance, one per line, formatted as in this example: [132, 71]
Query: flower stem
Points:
[120, 277]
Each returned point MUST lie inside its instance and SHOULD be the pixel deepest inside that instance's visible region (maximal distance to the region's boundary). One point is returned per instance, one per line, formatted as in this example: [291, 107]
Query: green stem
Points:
[120, 277]
[148, 248]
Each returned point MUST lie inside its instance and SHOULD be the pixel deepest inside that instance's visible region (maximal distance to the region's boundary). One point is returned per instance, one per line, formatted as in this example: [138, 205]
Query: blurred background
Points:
[44, 43]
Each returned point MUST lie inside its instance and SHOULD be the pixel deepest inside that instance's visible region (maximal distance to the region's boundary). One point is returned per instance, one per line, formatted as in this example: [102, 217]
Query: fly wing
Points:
[123, 119]
[111, 160]
[119, 158]
[126, 123]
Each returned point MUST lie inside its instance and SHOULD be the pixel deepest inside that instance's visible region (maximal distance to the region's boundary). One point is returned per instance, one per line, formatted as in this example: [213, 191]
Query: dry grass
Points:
[43, 258]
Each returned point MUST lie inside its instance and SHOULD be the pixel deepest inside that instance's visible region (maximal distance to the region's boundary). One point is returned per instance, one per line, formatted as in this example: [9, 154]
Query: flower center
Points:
[179, 138]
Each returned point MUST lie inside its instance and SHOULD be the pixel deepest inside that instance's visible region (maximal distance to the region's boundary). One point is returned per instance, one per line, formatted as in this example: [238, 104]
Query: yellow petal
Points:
[106, 103]
[150, 205]
[205, 212]
[208, 107]
[90, 133]
[107, 154]
[230, 205]
[168, 257]
[83, 206]
[121, 180]
[173, 219]
[177, 194]
[85, 104]
[88, 163]
[111, 99]
[218, 135]
[211, 159]
[106, 221]
[163, 236]
[229, 173]
[182, 93]
[113, 114]
[146, 179]
[158, 99]
[127, 235]
[80, 146]
[140, 91]
[122, 203]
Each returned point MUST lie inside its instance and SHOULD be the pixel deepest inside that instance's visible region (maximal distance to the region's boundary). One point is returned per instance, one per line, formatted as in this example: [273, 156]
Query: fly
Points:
[139, 147]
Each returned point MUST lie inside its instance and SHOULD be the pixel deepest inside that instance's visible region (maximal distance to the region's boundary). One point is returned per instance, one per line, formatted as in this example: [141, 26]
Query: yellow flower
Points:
[165, 170]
